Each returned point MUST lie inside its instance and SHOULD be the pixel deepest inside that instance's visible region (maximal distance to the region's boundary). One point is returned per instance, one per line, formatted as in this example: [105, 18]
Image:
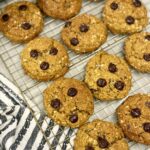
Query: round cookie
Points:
[125, 16]
[137, 51]
[134, 118]
[68, 102]
[99, 135]
[45, 59]
[84, 33]
[108, 77]
[21, 21]
[60, 9]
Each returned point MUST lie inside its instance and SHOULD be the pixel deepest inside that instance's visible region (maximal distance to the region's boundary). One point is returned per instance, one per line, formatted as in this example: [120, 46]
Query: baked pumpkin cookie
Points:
[137, 51]
[68, 102]
[108, 77]
[45, 59]
[99, 135]
[21, 21]
[125, 16]
[134, 118]
[60, 9]
[84, 33]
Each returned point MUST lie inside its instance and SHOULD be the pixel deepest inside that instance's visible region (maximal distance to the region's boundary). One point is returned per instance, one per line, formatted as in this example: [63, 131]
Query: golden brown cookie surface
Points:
[68, 102]
[137, 51]
[134, 118]
[60, 9]
[99, 135]
[21, 21]
[45, 59]
[84, 33]
[125, 16]
[108, 76]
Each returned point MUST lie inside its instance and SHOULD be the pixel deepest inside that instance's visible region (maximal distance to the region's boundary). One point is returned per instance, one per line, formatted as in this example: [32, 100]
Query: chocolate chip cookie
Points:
[137, 51]
[125, 16]
[100, 135]
[60, 9]
[84, 33]
[68, 102]
[21, 21]
[134, 118]
[45, 59]
[108, 77]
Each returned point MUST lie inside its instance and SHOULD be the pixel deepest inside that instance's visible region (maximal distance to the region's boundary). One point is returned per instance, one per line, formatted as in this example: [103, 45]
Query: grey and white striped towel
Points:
[18, 128]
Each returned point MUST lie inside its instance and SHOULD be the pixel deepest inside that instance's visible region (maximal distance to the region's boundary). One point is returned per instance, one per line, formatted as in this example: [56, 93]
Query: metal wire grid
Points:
[10, 54]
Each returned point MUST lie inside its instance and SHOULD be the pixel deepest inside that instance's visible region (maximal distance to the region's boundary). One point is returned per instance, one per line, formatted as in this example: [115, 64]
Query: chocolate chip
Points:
[137, 3]
[34, 53]
[147, 37]
[112, 68]
[147, 104]
[26, 26]
[72, 92]
[136, 112]
[55, 103]
[84, 28]
[67, 24]
[130, 20]
[103, 143]
[44, 65]
[73, 118]
[146, 127]
[5, 17]
[23, 7]
[114, 6]
[101, 82]
[119, 85]
[89, 147]
[146, 57]
[74, 41]
[53, 51]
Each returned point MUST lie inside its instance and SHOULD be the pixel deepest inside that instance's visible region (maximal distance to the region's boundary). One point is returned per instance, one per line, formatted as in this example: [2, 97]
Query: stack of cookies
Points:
[70, 102]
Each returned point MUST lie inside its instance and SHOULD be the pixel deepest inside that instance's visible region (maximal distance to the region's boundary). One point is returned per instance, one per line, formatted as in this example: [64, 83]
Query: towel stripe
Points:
[22, 132]
[15, 97]
[67, 139]
[7, 136]
[2, 105]
[3, 118]
[8, 96]
[57, 137]
[10, 111]
[11, 122]
[47, 133]
[19, 115]
[33, 136]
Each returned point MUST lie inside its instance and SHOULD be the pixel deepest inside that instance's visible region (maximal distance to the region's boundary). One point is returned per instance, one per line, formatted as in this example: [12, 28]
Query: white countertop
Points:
[3, 70]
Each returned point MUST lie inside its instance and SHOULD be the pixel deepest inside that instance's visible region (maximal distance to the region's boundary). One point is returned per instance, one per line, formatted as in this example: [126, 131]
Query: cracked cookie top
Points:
[68, 102]
[134, 118]
[21, 21]
[45, 59]
[84, 33]
[60, 9]
[137, 51]
[99, 135]
[125, 16]
[108, 76]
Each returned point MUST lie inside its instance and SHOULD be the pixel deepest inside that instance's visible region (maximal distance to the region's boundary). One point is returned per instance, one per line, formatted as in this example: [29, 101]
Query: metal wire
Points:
[10, 54]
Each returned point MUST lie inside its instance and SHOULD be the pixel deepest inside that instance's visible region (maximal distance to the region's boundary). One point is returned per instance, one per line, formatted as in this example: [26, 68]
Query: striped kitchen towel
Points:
[18, 128]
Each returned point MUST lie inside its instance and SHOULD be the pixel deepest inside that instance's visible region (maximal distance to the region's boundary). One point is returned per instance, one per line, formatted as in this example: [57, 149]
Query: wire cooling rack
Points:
[10, 54]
